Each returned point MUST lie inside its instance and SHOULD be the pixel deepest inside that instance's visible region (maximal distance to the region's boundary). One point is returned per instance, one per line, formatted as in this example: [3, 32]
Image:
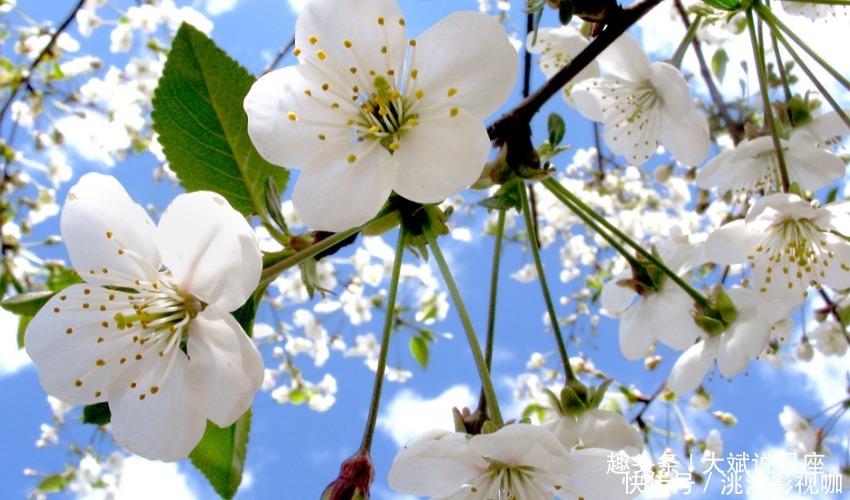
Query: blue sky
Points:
[295, 452]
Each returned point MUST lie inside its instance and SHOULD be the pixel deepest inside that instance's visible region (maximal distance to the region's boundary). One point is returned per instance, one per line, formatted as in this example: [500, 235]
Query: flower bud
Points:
[355, 476]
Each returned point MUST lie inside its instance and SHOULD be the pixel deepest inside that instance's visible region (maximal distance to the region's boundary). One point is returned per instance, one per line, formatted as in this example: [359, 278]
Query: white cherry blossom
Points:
[642, 103]
[753, 166]
[516, 462]
[790, 244]
[157, 343]
[816, 11]
[367, 112]
[557, 48]
[665, 315]
[732, 349]
[597, 428]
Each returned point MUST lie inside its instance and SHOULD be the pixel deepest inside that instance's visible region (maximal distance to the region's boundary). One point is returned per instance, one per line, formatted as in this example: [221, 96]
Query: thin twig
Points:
[279, 57]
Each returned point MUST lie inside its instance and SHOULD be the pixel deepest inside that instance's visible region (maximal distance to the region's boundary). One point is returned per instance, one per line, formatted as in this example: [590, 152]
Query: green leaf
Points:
[505, 198]
[419, 350]
[55, 483]
[97, 414]
[23, 323]
[557, 129]
[198, 114]
[220, 455]
[27, 304]
[718, 64]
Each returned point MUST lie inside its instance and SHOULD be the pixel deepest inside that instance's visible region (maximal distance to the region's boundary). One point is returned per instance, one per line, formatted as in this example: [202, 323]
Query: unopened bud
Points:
[355, 476]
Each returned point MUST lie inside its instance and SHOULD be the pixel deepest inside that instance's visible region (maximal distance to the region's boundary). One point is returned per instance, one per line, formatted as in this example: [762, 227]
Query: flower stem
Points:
[541, 275]
[369, 432]
[594, 220]
[676, 60]
[761, 70]
[800, 62]
[273, 270]
[480, 362]
[777, 25]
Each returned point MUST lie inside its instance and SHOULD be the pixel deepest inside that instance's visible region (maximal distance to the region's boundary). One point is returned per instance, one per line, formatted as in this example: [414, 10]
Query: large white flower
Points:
[157, 343]
[732, 349]
[753, 166]
[790, 244]
[516, 462]
[816, 11]
[557, 48]
[665, 315]
[641, 103]
[367, 112]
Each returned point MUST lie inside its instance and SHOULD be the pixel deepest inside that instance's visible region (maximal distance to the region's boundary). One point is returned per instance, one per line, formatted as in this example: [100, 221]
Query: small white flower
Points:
[597, 428]
[799, 432]
[815, 11]
[829, 338]
[641, 103]
[753, 166]
[732, 349]
[664, 316]
[557, 48]
[516, 462]
[157, 343]
[790, 244]
[367, 112]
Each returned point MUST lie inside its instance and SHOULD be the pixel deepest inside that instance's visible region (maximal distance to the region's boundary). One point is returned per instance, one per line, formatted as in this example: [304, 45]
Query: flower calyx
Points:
[718, 317]
[355, 476]
[647, 278]
[577, 398]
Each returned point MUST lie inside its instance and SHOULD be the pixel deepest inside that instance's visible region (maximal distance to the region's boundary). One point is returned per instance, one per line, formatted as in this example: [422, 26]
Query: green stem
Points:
[494, 285]
[369, 432]
[676, 60]
[758, 55]
[799, 60]
[480, 362]
[578, 207]
[541, 275]
[273, 270]
[767, 15]
[822, 2]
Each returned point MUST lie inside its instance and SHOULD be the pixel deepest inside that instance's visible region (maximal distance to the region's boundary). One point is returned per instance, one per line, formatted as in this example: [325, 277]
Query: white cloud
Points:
[144, 479]
[297, 5]
[216, 7]
[409, 414]
[825, 377]
[12, 359]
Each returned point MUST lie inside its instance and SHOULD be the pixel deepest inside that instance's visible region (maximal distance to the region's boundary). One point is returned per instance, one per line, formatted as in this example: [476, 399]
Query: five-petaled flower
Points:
[157, 343]
[641, 103]
[754, 166]
[557, 48]
[367, 112]
[516, 462]
[790, 244]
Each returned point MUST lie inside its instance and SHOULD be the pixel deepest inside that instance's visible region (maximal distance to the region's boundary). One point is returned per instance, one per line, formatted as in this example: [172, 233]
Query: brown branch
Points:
[514, 128]
[25, 79]
[736, 128]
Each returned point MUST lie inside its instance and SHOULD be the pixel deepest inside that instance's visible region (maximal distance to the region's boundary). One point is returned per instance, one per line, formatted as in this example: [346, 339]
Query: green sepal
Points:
[709, 325]
[457, 418]
[597, 394]
[97, 414]
[220, 455]
[725, 307]
[554, 402]
[726, 5]
[489, 427]
[272, 196]
[506, 197]
[27, 304]
[571, 402]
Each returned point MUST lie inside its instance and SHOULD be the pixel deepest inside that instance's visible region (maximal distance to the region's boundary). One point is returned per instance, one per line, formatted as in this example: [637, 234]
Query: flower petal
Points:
[225, 370]
[685, 134]
[524, 445]
[692, 366]
[436, 465]
[744, 340]
[368, 35]
[731, 243]
[429, 174]
[470, 53]
[342, 195]
[285, 123]
[164, 425]
[76, 344]
[636, 331]
[210, 249]
[98, 220]
[625, 59]
[606, 429]
[616, 298]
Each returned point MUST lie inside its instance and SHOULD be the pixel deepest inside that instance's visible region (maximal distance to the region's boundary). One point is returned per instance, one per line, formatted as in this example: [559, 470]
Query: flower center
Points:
[385, 115]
